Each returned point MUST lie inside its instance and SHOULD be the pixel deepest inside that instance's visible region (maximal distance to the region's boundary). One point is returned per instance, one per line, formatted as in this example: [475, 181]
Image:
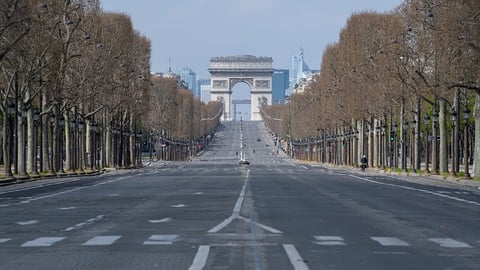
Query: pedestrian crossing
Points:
[101, 240]
[170, 239]
[332, 240]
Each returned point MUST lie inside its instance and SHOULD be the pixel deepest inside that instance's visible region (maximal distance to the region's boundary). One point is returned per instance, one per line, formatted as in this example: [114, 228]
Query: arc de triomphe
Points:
[227, 71]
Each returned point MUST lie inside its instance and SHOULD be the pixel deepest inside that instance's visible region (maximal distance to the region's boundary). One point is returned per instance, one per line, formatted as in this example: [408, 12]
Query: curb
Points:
[13, 180]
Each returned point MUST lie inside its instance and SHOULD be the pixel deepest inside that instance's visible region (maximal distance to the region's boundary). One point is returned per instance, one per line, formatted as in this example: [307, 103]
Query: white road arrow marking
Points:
[163, 220]
[179, 205]
[67, 208]
[29, 222]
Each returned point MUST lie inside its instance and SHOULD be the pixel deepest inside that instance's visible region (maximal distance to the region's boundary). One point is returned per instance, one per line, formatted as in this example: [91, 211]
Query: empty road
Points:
[214, 213]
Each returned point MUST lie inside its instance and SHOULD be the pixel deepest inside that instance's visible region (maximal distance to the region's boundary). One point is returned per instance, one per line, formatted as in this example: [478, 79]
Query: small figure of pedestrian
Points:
[364, 161]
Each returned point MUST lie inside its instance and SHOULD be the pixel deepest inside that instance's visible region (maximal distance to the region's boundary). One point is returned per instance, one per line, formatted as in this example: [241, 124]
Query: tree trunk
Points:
[68, 143]
[107, 158]
[31, 146]
[21, 145]
[6, 143]
[417, 141]
[132, 141]
[476, 152]
[44, 164]
[443, 159]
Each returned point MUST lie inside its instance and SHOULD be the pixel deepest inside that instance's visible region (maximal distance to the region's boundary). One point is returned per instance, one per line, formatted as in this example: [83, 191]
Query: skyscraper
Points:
[280, 80]
[203, 86]
[190, 79]
[300, 69]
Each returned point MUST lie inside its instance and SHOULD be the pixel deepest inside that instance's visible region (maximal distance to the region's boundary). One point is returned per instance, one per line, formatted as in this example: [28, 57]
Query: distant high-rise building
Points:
[301, 75]
[300, 69]
[280, 83]
[190, 79]
[203, 86]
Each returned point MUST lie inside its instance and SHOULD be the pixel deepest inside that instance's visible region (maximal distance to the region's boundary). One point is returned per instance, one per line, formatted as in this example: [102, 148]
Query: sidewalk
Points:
[457, 181]
[414, 177]
[4, 179]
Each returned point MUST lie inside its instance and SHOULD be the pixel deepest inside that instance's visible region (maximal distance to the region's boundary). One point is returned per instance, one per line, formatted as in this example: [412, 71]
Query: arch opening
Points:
[241, 103]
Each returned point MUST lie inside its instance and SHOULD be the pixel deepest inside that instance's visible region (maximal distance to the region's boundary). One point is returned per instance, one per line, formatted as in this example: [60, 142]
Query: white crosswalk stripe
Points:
[4, 240]
[42, 242]
[450, 243]
[390, 241]
[161, 239]
[329, 240]
[102, 240]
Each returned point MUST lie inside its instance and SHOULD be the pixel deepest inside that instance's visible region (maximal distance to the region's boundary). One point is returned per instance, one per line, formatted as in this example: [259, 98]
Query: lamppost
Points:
[61, 123]
[21, 157]
[426, 121]
[378, 144]
[382, 146]
[36, 118]
[466, 116]
[385, 144]
[114, 143]
[74, 144]
[9, 156]
[453, 118]
[139, 149]
[394, 149]
[404, 145]
[93, 145]
[435, 144]
[413, 142]
[366, 136]
[51, 170]
[81, 151]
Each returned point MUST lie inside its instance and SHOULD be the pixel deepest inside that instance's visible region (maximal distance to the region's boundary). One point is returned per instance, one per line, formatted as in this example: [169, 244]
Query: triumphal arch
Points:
[226, 71]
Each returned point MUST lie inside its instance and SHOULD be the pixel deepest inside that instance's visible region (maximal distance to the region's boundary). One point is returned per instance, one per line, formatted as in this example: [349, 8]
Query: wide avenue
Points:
[214, 213]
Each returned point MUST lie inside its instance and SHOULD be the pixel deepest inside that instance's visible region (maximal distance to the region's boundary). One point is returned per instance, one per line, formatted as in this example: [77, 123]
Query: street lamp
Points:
[52, 122]
[394, 149]
[36, 118]
[21, 138]
[61, 123]
[426, 121]
[73, 147]
[93, 145]
[81, 150]
[453, 118]
[435, 144]
[9, 156]
[404, 145]
[466, 116]
[413, 143]
[383, 146]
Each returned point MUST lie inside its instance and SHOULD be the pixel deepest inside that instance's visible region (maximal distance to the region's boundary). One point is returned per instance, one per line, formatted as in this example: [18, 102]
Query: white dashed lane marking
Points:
[106, 240]
[450, 243]
[161, 239]
[42, 242]
[329, 240]
[390, 241]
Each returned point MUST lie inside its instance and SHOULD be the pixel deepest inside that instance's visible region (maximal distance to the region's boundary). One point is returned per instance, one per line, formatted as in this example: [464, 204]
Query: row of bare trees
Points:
[76, 92]
[399, 86]
[180, 125]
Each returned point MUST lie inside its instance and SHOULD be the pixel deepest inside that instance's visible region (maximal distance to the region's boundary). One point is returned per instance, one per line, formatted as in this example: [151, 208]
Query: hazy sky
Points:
[190, 32]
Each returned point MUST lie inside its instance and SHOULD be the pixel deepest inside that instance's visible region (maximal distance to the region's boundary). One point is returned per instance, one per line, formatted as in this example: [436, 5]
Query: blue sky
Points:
[190, 32]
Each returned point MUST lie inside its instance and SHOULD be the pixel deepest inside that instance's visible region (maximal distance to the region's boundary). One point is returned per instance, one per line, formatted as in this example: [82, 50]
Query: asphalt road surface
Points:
[214, 213]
